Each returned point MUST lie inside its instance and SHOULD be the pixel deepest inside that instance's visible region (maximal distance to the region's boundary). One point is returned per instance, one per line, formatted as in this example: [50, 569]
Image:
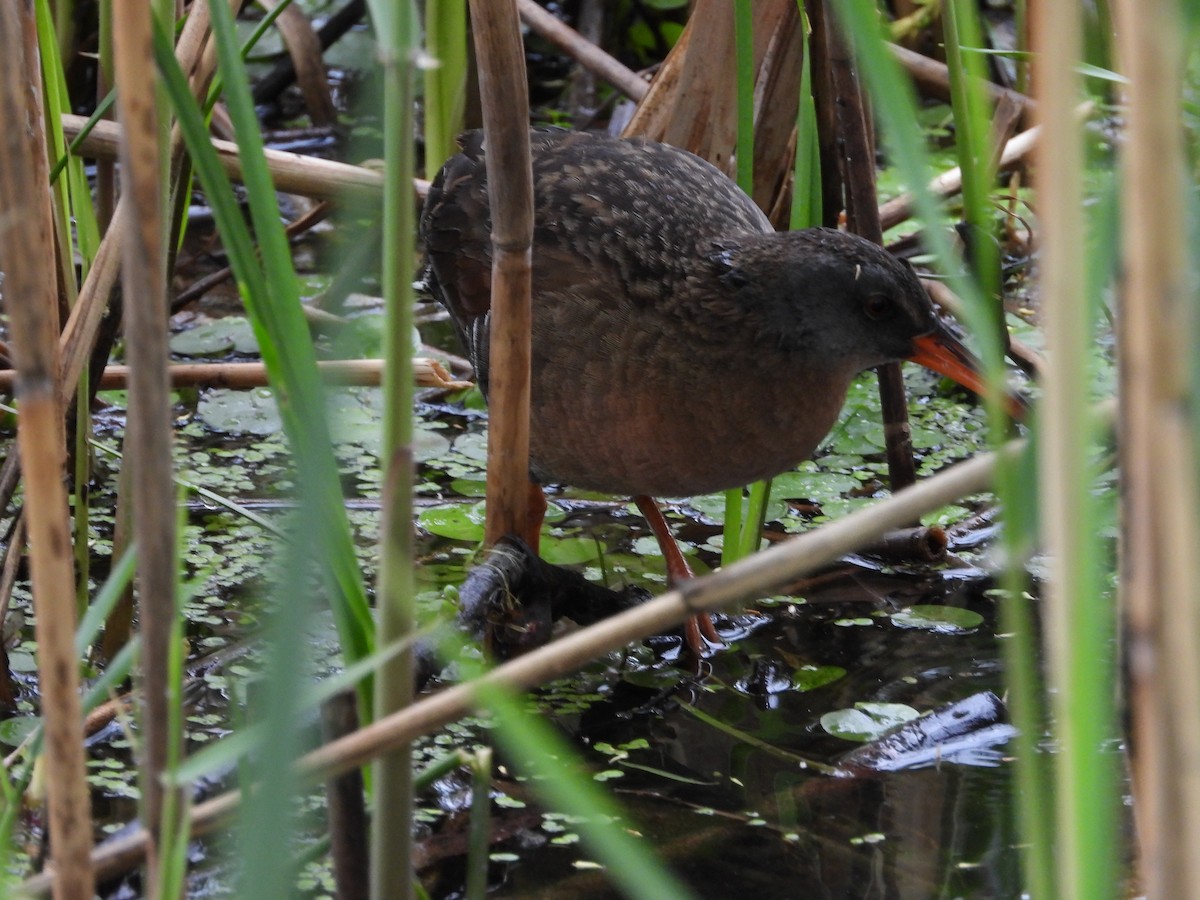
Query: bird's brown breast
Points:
[628, 402]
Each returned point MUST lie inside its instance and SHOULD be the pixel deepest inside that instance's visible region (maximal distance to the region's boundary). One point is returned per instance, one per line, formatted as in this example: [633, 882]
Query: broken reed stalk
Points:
[428, 373]
[503, 89]
[31, 302]
[292, 173]
[933, 79]
[1014, 152]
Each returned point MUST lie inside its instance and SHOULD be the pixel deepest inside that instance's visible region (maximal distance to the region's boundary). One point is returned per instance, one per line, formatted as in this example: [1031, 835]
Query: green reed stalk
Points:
[73, 206]
[806, 175]
[744, 518]
[176, 829]
[321, 531]
[391, 826]
[895, 106]
[271, 294]
[1033, 775]
[445, 81]
[1080, 620]
[481, 823]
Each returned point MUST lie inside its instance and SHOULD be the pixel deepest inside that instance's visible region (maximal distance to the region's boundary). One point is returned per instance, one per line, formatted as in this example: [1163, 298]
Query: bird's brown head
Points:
[827, 294]
[843, 300]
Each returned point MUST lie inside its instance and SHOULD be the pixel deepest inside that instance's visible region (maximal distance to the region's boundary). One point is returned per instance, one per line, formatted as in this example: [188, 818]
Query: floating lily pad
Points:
[472, 445]
[569, 551]
[809, 678]
[216, 338]
[812, 485]
[866, 721]
[941, 619]
[454, 521]
[240, 412]
[469, 487]
[14, 731]
[429, 444]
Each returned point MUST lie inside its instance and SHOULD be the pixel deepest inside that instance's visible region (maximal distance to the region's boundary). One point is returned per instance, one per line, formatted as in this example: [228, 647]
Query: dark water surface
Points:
[737, 810]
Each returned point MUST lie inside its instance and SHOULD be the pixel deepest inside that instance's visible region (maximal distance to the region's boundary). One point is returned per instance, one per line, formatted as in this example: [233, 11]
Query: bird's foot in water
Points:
[700, 635]
[512, 600]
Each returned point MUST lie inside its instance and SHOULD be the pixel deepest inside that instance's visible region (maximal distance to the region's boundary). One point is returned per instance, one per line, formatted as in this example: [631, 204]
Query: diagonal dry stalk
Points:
[321, 179]
[582, 51]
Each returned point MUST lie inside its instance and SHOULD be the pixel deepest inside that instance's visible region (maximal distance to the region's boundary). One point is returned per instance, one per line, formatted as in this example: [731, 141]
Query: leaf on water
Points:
[429, 444]
[457, 522]
[472, 446]
[469, 487]
[240, 412]
[216, 338]
[809, 678]
[569, 551]
[14, 731]
[939, 619]
[866, 721]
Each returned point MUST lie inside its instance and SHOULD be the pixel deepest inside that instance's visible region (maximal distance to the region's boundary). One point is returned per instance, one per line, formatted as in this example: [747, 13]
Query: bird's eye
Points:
[877, 305]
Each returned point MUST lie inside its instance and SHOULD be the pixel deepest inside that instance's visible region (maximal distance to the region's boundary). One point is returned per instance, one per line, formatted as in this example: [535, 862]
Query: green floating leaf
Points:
[454, 521]
[14, 731]
[569, 551]
[240, 412]
[809, 678]
[813, 485]
[429, 444]
[941, 619]
[866, 721]
[216, 338]
[20, 661]
[469, 487]
[472, 445]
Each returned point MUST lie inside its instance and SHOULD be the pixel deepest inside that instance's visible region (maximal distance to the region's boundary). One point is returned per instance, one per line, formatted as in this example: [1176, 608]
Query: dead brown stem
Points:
[510, 189]
[31, 302]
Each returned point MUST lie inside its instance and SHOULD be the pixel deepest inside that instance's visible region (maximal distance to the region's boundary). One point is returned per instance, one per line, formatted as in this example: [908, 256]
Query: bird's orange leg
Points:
[698, 628]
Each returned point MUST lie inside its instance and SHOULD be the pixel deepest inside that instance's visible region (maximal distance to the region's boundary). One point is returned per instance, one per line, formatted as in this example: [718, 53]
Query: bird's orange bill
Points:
[943, 353]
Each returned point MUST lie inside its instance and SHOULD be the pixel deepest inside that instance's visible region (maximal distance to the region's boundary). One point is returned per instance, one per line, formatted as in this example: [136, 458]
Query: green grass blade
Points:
[743, 529]
[271, 294]
[445, 79]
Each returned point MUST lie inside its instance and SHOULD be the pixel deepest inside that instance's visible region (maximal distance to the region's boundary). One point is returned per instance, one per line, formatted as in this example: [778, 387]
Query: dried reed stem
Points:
[510, 189]
[31, 301]
[1160, 565]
